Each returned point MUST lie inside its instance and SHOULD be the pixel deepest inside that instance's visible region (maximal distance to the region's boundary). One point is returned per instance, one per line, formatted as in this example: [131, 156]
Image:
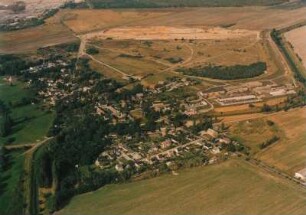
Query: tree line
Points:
[177, 3]
[227, 72]
[276, 36]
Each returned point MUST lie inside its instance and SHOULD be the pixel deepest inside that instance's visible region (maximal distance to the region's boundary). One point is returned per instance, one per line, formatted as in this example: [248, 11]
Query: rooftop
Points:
[302, 172]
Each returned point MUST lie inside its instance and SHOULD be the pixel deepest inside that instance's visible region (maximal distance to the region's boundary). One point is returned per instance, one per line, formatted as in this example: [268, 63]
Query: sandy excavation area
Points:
[297, 38]
[33, 8]
[172, 33]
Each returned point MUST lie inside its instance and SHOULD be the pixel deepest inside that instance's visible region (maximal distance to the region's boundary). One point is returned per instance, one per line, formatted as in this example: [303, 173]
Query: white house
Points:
[301, 174]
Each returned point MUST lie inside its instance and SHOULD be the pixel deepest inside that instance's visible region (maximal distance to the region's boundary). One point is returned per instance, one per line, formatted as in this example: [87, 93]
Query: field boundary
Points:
[278, 38]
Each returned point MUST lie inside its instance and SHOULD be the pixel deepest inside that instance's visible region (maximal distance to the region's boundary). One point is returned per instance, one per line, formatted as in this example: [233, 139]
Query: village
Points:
[165, 137]
[170, 133]
[212, 146]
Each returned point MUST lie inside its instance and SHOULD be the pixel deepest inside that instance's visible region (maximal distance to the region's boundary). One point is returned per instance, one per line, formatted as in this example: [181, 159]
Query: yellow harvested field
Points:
[172, 33]
[232, 187]
[252, 18]
[83, 21]
[297, 38]
[30, 39]
[290, 152]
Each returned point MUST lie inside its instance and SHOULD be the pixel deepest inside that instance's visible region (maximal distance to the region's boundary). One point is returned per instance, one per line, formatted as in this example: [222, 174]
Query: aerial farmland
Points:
[152, 107]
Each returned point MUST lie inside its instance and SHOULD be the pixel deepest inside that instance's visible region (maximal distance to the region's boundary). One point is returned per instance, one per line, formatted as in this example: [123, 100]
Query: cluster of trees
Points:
[269, 142]
[227, 72]
[151, 116]
[191, 159]
[92, 51]
[11, 65]
[174, 60]
[6, 122]
[205, 123]
[233, 147]
[131, 56]
[266, 108]
[71, 47]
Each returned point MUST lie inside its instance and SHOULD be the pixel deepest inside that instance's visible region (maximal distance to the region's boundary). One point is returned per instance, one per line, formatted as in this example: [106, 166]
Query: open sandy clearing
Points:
[172, 33]
[297, 38]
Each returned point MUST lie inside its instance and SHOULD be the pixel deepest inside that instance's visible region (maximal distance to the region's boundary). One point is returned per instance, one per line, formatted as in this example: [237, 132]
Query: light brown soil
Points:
[297, 38]
[172, 33]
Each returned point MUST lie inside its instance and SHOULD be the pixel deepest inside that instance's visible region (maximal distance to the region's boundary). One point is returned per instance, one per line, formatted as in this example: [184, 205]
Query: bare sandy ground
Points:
[172, 33]
[297, 38]
[33, 8]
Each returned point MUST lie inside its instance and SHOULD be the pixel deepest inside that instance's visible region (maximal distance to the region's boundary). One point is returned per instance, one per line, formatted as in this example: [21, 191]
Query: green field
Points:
[31, 123]
[233, 187]
[10, 185]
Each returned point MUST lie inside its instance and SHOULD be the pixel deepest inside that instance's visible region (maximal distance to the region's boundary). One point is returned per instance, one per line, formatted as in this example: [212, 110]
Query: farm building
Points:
[212, 133]
[301, 174]
[238, 100]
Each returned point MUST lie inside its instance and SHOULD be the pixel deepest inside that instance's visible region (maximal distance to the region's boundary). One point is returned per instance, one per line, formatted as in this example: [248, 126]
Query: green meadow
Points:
[31, 123]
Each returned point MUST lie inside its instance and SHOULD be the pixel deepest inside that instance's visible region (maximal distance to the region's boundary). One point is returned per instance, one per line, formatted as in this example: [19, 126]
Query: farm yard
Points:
[234, 185]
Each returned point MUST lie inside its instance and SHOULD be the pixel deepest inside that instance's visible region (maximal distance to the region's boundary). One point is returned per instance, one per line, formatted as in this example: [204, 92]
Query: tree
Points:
[266, 108]
[92, 51]
[6, 125]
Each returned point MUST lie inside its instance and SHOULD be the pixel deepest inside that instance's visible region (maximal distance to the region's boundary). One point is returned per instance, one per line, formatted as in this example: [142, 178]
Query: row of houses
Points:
[119, 155]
